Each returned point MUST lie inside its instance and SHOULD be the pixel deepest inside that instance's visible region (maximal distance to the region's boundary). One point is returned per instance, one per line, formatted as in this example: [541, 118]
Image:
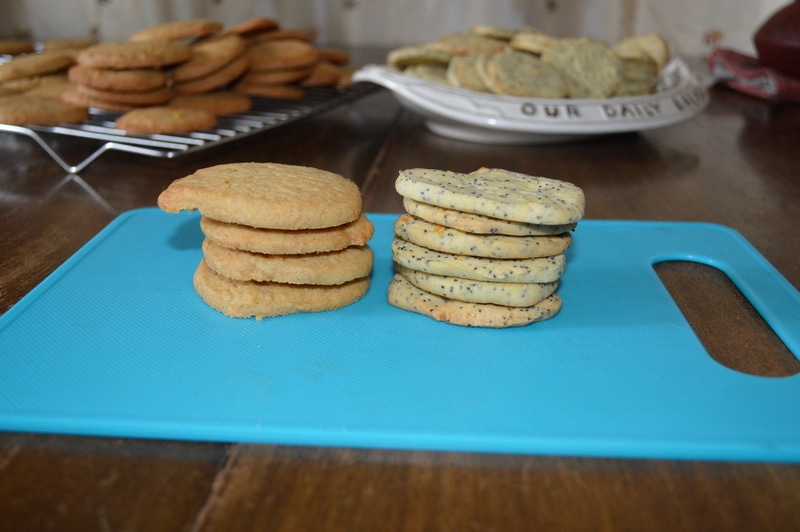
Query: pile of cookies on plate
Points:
[484, 249]
[170, 78]
[530, 63]
[279, 239]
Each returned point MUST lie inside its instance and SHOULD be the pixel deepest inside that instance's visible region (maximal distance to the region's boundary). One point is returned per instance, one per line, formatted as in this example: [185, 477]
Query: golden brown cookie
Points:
[217, 102]
[23, 109]
[24, 66]
[324, 74]
[219, 78]
[298, 197]
[74, 97]
[276, 77]
[208, 56]
[139, 98]
[280, 54]
[324, 268]
[126, 80]
[163, 119]
[252, 27]
[245, 299]
[146, 54]
[178, 30]
[288, 242]
[278, 92]
[52, 86]
[337, 56]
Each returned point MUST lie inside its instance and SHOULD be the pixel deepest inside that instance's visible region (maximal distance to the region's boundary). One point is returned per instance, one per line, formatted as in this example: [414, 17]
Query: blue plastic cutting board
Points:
[116, 343]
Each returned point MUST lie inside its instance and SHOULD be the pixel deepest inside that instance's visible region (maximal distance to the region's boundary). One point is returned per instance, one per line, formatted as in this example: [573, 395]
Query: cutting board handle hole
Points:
[731, 330]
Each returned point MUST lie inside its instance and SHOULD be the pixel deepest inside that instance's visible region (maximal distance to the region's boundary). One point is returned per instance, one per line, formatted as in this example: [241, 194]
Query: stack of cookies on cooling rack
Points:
[484, 249]
[279, 239]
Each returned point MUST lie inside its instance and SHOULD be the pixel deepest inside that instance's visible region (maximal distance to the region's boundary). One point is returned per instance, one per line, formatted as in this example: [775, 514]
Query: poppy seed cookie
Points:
[496, 193]
[404, 295]
[449, 240]
[472, 291]
[541, 270]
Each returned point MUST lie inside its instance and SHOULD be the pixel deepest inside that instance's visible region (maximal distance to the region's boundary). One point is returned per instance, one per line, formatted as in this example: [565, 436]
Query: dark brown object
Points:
[778, 40]
[736, 164]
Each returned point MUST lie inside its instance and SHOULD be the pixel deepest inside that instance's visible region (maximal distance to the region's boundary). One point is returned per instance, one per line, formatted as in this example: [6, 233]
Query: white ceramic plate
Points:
[488, 118]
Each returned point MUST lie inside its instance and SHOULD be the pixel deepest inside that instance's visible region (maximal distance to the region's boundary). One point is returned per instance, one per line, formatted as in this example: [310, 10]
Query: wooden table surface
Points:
[737, 164]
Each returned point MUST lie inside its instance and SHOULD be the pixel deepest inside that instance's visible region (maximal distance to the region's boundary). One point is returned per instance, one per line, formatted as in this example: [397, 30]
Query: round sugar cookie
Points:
[406, 296]
[246, 299]
[280, 54]
[209, 55]
[496, 193]
[328, 268]
[449, 240]
[478, 224]
[145, 54]
[220, 102]
[251, 27]
[73, 96]
[138, 98]
[541, 270]
[25, 66]
[164, 119]
[131, 80]
[266, 195]
[24, 109]
[216, 79]
[178, 30]
[472, 291]
[287, 241]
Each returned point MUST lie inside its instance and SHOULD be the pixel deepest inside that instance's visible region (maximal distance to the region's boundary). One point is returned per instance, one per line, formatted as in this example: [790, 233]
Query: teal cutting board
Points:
[116, 343]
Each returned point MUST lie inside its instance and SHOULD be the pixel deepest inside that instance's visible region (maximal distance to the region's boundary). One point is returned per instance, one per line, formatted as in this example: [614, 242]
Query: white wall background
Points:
[685, 23]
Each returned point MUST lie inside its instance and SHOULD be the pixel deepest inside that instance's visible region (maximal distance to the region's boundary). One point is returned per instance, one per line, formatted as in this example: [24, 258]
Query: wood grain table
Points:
[738, 164]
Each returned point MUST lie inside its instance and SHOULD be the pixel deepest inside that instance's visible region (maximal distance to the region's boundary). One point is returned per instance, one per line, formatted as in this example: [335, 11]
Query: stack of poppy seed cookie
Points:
[279, 239]
[485, 249]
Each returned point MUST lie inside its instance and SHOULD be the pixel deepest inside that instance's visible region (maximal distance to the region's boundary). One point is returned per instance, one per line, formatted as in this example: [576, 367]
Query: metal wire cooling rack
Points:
[265, 114]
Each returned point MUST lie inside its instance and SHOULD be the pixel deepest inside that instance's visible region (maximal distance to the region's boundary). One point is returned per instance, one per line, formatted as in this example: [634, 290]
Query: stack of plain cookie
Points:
[530, 63]
[484, 249]
[283, 63]
[279, 239]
